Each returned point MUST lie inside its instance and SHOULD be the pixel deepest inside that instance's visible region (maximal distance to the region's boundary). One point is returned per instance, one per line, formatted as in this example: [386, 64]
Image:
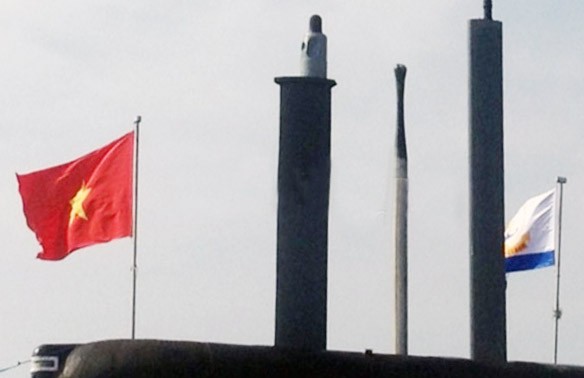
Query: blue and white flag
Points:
[530, 236]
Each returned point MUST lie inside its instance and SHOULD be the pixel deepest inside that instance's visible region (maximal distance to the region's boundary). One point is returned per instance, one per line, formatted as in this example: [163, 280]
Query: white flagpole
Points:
[135, 233]
[557, 311]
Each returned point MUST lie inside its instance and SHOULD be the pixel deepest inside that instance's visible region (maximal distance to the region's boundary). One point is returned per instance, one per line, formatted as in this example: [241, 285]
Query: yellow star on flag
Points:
[77, 204]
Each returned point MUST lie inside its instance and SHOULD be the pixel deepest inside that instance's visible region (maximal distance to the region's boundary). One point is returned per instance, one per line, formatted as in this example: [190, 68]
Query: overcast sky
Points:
[75, 74]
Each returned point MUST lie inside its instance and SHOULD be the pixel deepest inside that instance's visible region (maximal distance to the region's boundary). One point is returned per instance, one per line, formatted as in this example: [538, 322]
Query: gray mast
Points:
[487, 224]
[401, 220]
[303, 199]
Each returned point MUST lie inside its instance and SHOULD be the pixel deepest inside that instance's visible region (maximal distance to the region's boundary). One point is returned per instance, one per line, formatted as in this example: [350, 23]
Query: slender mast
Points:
[557, 311]
[134, 264]
[401, 220]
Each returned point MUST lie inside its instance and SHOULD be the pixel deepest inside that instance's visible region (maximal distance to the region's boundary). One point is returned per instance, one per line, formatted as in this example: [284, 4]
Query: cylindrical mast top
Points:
[316, 24]
[400, 76]
[313, 50]
[488, 6]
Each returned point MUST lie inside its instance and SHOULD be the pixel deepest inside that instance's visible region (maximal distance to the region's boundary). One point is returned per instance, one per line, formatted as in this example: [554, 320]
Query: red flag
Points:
[83, 202]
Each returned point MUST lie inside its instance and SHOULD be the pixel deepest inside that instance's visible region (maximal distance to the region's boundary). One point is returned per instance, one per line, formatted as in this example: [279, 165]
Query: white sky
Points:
[74, 75]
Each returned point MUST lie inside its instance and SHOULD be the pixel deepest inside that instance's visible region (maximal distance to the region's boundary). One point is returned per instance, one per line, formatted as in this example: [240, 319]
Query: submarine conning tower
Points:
[303, 187]
[303, 198]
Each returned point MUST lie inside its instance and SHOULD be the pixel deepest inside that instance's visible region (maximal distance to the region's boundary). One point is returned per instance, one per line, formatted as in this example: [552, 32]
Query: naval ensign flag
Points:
[530, 236]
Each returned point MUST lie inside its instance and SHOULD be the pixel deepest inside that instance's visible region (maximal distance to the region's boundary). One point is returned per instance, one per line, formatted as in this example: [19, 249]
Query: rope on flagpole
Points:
[135, 233]
[557, 311]
[19, 363]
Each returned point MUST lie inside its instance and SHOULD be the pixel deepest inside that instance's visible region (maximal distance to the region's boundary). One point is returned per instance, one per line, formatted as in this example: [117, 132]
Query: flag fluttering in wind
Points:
[530, 236]
[83, 202]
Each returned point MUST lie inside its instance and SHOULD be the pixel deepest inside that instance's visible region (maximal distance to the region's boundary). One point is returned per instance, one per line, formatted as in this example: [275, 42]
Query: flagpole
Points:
[135, 233]
[557, 312]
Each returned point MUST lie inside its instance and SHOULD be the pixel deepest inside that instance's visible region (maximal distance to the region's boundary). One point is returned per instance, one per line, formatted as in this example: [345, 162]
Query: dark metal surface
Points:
[303, 202]
[488, 8]
[48, 361]
[315, 24]
[487, 270]
[400, 145]
[179, 359]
